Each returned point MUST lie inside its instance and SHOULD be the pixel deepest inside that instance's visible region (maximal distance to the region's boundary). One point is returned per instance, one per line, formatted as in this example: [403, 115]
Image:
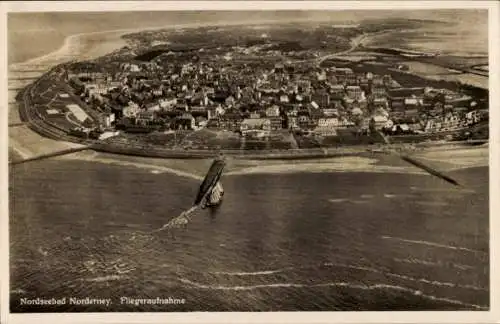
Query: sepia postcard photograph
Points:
[259, 157]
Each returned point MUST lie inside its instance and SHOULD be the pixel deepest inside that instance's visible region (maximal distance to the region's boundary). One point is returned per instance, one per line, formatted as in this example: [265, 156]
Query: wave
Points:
[338, 200]
[154, 168]
[447, 189]
[354, 267]
[341, 200]
[255, 273]
[332, 284]
[105, 278]
[436, 283]
[433, 244]
[434, 264]
[432, 203]
[42, 252]
[408, 278]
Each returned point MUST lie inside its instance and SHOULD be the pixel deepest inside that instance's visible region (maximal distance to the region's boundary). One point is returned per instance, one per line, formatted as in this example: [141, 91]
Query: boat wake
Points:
[178, 222]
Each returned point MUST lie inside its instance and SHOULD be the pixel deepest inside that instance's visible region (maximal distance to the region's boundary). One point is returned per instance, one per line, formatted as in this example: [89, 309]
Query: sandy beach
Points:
[446, 161]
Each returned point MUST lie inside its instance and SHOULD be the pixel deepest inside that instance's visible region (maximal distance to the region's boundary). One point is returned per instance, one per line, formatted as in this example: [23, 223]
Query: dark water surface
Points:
[318, 241]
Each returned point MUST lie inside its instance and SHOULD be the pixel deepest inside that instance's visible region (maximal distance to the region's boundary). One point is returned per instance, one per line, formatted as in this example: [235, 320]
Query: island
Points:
[261, 91]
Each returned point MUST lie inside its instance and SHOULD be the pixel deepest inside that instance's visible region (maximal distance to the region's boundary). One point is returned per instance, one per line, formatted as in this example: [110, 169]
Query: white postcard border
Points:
[282, 317]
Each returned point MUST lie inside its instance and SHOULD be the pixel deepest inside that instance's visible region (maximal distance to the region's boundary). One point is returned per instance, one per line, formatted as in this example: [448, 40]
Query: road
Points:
[355, 43]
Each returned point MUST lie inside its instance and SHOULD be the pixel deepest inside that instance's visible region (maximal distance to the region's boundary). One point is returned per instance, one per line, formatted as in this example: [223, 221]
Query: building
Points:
[231, 121]
[145, 117]
[413, 103]
[354, 92]
[276, 123]
[255, 115]
[107, 119]
[167, 103]
[397, 104]
[472, 117]
[273, 111]
[201, 121]
[381, 102]
[341, 71]
[230, 101]
[304, 86]
[378, 92]
[291, 119]
[378, 122]
[322, 98]
[312, 105]
[407, 92]
[303, 119]
[284, 98]
[325, 130]
[198, 110]
[451, 121]
[213, 123]
[337, 89]
[131, 110]
[185, 121]
[331, 112]
[255, 125]
[331, 122]
[153, 107]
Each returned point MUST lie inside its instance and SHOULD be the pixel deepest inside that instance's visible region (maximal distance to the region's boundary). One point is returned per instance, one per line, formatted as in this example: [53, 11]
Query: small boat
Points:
[215, 197]
[211, 191]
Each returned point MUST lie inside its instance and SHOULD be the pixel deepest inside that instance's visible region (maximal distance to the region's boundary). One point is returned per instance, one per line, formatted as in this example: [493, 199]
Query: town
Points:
[255, 97]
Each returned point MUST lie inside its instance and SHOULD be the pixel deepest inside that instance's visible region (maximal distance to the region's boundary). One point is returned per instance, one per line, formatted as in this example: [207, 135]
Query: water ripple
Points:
[362, 268]
[419, 293]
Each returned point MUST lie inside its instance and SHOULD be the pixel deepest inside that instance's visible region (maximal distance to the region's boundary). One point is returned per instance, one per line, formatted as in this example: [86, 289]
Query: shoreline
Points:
[196, 168]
